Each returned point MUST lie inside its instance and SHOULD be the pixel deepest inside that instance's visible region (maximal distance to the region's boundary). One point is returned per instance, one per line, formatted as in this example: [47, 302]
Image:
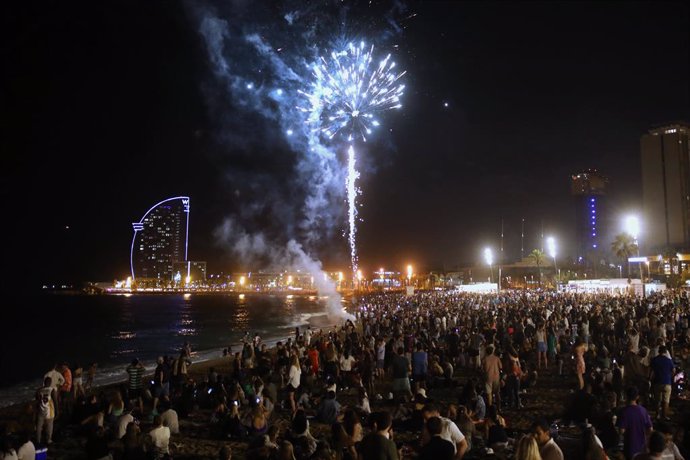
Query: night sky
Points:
[107, 109]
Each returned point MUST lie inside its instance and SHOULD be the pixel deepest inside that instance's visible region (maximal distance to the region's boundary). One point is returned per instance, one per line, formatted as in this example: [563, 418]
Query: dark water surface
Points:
[112, 330]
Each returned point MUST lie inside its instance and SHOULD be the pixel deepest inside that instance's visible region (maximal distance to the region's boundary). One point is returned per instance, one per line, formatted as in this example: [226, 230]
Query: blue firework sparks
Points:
[349, 90]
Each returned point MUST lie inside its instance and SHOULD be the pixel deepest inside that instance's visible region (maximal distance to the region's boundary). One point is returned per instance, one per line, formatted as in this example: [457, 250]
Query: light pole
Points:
[551, 246]
[489, 259]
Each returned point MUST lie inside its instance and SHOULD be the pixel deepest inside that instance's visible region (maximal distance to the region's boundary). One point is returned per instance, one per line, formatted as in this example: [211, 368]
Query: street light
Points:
[632, 227]
[489, 259]
[551, 247]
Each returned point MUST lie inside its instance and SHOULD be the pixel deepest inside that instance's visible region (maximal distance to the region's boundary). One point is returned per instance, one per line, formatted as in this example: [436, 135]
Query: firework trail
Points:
[347, 93]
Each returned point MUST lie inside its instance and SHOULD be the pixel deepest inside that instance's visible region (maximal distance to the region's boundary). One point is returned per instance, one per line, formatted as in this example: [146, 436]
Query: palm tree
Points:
[623, 247]
[537, 257]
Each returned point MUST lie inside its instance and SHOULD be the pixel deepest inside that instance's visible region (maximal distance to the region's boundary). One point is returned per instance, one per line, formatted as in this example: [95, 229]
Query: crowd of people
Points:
[435, 375]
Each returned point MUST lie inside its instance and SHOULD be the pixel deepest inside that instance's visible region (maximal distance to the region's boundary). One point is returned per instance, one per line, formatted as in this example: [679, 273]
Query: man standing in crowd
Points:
[634, 425]
[662, 378]
[492, 376]
[135, 383]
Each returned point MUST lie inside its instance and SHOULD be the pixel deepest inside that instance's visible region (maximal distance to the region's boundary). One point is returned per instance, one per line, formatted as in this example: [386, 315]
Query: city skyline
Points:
[497, 120]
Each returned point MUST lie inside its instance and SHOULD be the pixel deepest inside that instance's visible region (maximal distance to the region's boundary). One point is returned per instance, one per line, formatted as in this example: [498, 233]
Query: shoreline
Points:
[115, 375]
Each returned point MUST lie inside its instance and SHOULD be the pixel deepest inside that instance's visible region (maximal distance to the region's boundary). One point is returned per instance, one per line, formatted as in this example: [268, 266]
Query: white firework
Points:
[344, 97]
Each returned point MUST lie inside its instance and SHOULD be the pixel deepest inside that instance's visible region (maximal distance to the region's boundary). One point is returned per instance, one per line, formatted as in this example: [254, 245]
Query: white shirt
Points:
[381, 352]
[57, 380]
[671, 453]
[346, 363]
[122, 422]
[27, 451]
[170, 419]
[551, 451]
[161, 439]
[294, 376]
[451, 432]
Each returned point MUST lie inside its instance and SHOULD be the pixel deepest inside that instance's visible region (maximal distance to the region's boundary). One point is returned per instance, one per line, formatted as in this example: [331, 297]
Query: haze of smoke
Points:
[255, 247]
[317, 167]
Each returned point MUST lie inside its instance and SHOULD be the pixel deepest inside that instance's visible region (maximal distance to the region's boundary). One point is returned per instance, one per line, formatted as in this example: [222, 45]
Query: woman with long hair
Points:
[580, 368]
[294, 378]
[527, 449]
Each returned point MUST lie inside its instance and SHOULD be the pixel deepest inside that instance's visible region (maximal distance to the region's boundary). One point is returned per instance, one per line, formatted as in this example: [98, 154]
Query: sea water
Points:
[111, 330]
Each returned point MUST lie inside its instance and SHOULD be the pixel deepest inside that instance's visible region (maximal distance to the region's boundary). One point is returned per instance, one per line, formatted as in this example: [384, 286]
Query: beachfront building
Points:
[665, 161]
[159, 242]
[588, 189]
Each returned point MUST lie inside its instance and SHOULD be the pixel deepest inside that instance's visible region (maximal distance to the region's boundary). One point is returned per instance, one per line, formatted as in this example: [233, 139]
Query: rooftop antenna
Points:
[522, 240]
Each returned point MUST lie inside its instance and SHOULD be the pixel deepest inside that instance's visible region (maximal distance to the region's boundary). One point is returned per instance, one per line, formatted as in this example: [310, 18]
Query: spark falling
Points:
[352, 192]
[344, 98]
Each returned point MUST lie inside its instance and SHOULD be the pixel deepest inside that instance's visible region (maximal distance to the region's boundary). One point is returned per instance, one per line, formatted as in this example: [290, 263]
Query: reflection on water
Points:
[111, 330]
[187, 331]
[124, 335]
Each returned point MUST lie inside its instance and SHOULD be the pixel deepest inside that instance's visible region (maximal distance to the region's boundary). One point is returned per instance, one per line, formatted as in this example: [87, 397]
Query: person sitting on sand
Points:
[169, 416]
[300, 436]
[329, 409]
[115, 408]
[159, 439]
[133, 443]
[527, 449]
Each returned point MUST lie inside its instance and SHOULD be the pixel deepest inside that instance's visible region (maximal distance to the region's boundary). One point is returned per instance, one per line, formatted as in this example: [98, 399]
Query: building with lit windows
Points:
[589, 190]
[190, 272]
[159, 242]
[664, 154]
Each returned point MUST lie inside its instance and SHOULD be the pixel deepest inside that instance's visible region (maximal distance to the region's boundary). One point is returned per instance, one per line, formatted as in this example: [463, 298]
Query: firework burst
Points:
[348, 91]
[346, 94]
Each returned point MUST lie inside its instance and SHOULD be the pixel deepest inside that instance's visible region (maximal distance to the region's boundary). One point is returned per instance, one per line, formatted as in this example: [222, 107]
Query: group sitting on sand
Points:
[434, 375]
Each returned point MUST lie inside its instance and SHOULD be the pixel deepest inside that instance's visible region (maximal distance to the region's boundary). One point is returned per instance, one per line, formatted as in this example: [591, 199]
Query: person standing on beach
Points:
[634, 425]
[78, 383]
[492, 376]
[294, 381]
[45, 410]
[65, 389]
[179, 370]
[135, 383]
[161, 382]
[90, 376]
[57, 380]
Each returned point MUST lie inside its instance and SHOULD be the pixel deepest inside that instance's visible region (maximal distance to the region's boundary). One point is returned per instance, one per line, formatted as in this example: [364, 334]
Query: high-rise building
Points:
[666, 188]
[160, 241]
[589, 190]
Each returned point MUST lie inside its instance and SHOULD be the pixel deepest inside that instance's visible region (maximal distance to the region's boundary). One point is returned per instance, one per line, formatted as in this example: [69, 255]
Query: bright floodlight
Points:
[632, 226]
[409, 272]
[551, 246]
[488, 256]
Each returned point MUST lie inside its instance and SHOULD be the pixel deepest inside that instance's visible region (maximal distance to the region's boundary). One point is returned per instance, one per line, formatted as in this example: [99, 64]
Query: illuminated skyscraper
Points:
[589, 190]
[666, 188]
[160, 241]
